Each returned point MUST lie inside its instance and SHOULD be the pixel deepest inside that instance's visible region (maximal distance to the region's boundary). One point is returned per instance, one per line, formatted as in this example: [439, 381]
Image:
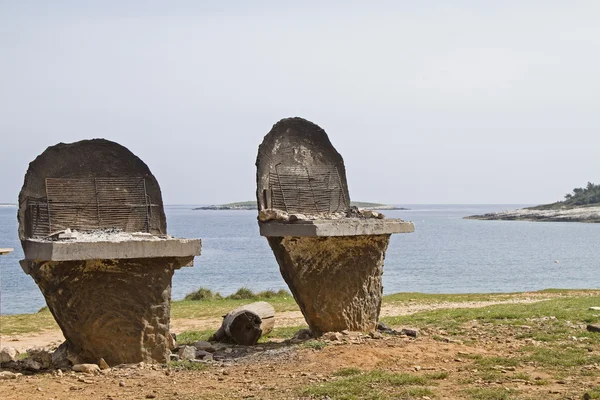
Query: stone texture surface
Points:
[295, 142]
[336, 281]
[37, 250]
[94, 158]
[118, 310]
[339, 227]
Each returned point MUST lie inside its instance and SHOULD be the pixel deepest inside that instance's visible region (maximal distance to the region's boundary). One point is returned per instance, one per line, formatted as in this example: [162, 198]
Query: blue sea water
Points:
[446, 254]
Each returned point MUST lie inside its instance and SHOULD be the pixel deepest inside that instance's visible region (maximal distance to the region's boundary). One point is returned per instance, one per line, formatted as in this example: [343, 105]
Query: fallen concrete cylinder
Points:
[329, 253]
[246, 324]
[93, 230]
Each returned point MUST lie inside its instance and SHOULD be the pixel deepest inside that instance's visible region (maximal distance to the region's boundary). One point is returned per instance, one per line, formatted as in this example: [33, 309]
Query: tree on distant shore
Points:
[583, 196]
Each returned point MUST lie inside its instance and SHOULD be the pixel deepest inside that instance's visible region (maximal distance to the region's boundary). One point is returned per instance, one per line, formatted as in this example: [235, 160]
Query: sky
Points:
[432, 102]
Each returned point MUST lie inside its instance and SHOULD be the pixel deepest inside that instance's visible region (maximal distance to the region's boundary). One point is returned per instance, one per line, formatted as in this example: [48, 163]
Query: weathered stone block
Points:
[118, 310]
[336, 281]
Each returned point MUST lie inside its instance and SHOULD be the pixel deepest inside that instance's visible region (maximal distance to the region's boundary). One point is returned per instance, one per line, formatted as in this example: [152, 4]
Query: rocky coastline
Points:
[589, 214]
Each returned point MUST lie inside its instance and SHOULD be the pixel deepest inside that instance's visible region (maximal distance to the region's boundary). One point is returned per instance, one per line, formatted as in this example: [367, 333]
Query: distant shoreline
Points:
[589, 214]
[251, 205]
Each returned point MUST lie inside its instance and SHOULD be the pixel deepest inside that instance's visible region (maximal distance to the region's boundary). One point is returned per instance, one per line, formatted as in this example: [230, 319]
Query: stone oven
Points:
[330, 254]
[94, 234]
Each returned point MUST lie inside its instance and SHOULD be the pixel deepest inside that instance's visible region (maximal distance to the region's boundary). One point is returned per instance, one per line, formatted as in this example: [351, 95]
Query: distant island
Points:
[251, 205]
[582, 205]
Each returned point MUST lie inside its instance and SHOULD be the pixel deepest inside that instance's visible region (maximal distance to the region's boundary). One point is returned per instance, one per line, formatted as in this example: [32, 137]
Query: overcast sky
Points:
[428, 101]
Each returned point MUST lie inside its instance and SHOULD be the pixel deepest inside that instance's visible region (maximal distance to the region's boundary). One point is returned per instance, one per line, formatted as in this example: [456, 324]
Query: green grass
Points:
[370, 386]
[188, 337]
[489, 394]
[315, 344]
[573, 309]
[594, 393]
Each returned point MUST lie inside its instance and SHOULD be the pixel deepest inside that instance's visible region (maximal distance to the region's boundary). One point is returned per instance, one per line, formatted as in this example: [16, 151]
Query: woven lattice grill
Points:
[92, 203]
[305, 190]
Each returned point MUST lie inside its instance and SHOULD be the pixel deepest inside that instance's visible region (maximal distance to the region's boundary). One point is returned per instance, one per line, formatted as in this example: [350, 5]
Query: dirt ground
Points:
[281, 375]
[288, 371]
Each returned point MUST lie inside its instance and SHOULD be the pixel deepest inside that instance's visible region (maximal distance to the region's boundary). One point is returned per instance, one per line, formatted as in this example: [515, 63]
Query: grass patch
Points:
[347, 372]
[188, 337]
[594, 393]
[489, 394]
[561, 309]
[243, 293]
[440, 375]
[25, 323]
[371, 385]
[315, 344]
[559, 356]
[203, 294]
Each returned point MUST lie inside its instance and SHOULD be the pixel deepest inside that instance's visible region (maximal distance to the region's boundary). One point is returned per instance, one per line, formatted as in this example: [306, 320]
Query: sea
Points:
[445, 254]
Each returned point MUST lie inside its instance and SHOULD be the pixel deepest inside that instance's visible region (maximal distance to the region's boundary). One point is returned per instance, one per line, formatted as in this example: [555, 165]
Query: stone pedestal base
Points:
[335, 280]
[118, 310]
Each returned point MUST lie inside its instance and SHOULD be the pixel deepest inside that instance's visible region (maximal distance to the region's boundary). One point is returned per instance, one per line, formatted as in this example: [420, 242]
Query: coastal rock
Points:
[8, 354]
[203, 345]
[31, 365]
[571, 214]
[102, 364]
[42, 356]
[302, 334]
[187, 353]
[86, 368]
[350, 297]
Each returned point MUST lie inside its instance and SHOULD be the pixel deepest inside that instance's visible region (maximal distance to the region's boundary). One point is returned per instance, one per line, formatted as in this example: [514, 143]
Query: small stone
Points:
[173, 357]
[150, 396]
[122, 383]
[410, 332]
[8, 354]
[187, 353]
[41, 355]
[204, 355]
[205, 346]
[332, 336]
[376, 335]
[297, 217]
[32, 365]
[594, 308]
[59, 373]
[382, 327]
[102, 364]
[593, 328]
[417, 367]
[7, 375]
[39, 389]
[302, 334]
[86, 368]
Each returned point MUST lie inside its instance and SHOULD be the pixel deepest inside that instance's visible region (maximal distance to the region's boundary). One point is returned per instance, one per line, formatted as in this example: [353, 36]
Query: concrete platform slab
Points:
[39, 250]
[339, 227]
